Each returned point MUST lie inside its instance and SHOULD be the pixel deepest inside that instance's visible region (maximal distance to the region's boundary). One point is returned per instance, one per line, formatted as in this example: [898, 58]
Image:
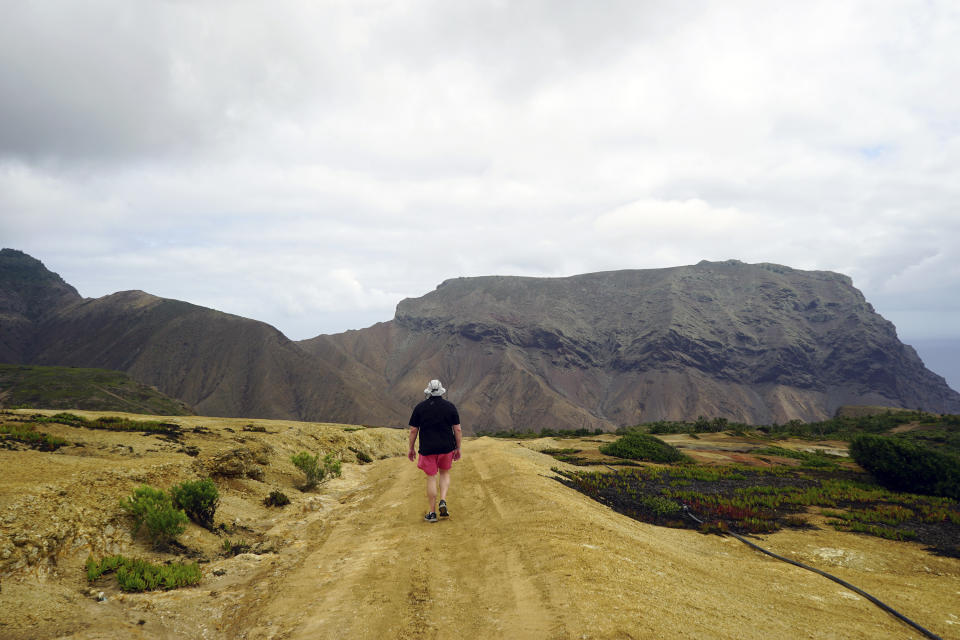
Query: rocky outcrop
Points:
[754, 343]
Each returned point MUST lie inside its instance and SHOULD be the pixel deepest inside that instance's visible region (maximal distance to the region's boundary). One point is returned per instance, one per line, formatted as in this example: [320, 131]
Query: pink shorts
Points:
[430, 464]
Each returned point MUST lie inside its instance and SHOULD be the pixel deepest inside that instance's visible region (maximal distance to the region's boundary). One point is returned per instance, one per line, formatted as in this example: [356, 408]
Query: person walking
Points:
[437, 423]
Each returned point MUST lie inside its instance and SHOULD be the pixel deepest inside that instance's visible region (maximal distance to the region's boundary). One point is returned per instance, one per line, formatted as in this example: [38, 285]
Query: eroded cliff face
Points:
[756, 343]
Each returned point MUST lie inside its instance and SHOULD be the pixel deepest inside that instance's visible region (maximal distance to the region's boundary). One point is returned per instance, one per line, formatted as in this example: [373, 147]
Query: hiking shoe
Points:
[443, 509]
[430, 517]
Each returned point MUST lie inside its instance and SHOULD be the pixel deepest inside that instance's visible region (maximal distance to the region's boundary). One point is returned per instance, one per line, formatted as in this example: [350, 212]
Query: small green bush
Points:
[905, 466]
[139, 575]
[231, 548]
[154, 509]
[198, 499]
[276, 499]
[314, 470]
[640, 446]
[332, 466]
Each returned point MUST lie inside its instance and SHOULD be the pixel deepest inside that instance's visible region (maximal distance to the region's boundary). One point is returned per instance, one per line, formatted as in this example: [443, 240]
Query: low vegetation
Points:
[276, 499]
[762, 500]
[806, 458]
[641, 446]
[140, 575]
[153, 510]
[198, 499]
[110, 423]
[908, 466]
[27, 386]
[545, 433]
[316, 470]
[234, 548]
[28, 435]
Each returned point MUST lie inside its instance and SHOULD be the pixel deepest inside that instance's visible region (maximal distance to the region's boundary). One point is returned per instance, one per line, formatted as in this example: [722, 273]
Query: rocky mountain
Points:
[218, 363]
[28, 293]
[753, 343]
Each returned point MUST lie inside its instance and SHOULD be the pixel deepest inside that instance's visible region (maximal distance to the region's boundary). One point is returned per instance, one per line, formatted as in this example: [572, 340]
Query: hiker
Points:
[437, 423]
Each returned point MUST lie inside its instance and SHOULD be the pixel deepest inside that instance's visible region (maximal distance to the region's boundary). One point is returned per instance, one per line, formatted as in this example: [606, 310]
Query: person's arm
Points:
[412, 454]
[459, 436]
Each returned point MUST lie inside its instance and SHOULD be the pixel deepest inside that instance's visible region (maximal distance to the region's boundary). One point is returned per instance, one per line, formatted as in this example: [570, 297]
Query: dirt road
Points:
[521, 557]
[524, 557]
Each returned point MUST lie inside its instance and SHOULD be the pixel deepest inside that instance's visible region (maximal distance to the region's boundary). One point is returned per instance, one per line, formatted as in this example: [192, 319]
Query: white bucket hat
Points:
[434, 388]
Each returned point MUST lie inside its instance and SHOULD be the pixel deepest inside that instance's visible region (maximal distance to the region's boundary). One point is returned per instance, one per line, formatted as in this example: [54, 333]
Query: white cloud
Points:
[311, 164]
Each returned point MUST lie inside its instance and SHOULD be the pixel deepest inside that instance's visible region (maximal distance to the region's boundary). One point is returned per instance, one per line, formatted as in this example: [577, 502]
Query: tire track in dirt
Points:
[382, 572]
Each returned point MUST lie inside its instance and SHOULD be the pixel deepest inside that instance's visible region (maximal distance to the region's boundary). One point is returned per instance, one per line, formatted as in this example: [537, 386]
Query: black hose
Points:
[844, 583]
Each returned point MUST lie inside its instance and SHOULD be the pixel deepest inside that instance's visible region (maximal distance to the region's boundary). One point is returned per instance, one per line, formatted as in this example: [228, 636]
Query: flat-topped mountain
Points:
[753, 343]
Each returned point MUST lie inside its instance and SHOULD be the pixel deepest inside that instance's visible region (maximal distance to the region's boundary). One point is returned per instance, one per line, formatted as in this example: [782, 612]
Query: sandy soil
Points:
[522, 556]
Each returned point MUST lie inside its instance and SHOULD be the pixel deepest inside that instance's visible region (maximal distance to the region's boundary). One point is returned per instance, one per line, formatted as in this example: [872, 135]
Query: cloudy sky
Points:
[310, 164]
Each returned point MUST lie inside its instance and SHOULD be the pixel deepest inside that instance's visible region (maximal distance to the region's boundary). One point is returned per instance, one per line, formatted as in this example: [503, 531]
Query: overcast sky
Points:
[310, 164]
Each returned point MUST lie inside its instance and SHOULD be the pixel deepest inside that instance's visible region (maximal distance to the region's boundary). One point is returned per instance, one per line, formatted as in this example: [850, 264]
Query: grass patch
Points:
[28, 435]
[806, 458]
[110, 423]
[544, 433]
[140, 575]
[231, 548]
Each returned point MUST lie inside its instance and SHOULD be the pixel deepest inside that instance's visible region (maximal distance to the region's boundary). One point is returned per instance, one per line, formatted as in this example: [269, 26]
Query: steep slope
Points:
[82, 388]
[219, 363]
[754, 343]
[28, 293]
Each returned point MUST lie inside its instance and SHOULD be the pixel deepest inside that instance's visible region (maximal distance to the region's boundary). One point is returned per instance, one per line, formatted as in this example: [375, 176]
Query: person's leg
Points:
[444, 482]
[432, 492]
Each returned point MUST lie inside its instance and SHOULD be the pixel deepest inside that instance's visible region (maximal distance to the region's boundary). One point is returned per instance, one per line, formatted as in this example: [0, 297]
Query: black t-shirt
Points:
[435, 417]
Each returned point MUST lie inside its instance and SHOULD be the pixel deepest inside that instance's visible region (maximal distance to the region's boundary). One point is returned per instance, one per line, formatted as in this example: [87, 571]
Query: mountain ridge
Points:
[752, 343]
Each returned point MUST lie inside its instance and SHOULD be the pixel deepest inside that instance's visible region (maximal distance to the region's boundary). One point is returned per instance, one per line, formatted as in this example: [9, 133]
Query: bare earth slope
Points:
[522, 556]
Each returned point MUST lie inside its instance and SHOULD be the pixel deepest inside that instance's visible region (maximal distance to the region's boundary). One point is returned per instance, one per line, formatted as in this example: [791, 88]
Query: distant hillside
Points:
[218, 363]
[751, 343]
[81, 388]
[28, 293]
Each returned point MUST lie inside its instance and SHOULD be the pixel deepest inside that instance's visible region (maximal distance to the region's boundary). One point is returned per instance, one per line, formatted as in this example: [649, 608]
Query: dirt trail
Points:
[524, 557]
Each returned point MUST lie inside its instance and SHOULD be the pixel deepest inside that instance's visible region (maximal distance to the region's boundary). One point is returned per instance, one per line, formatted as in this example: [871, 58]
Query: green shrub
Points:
[231, 548]
[139, 575]
[314, 470]
[332, 466]
[906, 466]
[154, 509]
[276, 499]
[198, 499]
[640, 446]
